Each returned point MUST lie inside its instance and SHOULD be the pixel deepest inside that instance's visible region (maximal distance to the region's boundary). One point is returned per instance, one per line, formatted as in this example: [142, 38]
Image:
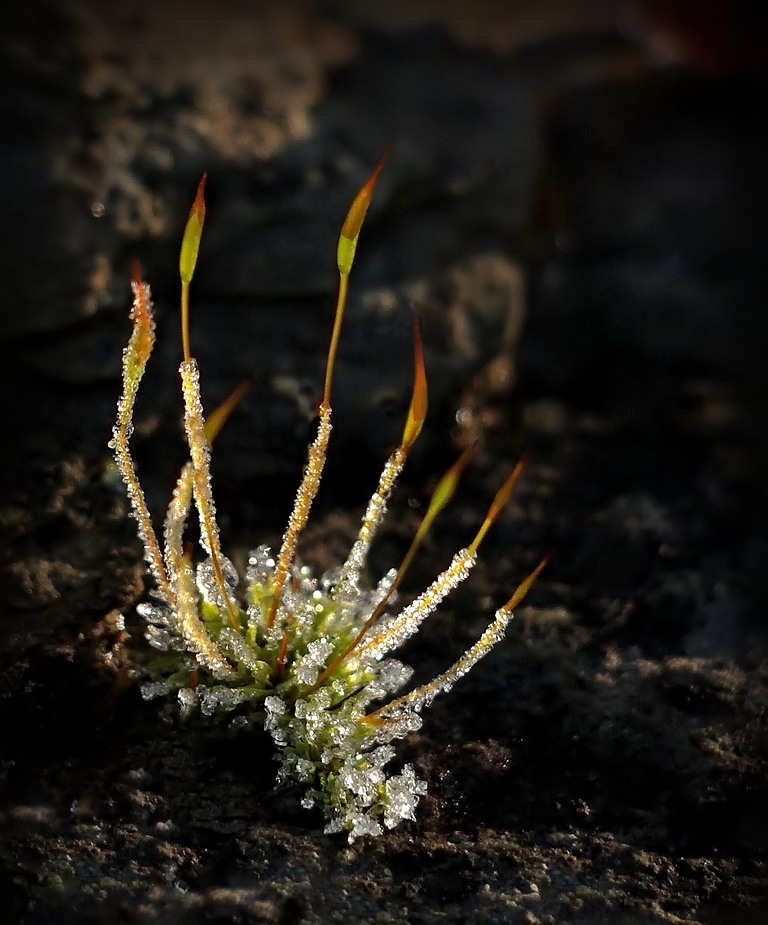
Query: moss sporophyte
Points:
[306, 657]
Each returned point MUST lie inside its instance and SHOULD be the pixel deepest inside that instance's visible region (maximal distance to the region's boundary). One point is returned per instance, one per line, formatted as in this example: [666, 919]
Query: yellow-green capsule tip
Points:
[190, 243]
[218, 417]
[350, 230]
[444, 491]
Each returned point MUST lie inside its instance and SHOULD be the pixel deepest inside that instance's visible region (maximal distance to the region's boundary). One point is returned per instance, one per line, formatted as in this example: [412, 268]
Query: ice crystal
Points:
[307, 657]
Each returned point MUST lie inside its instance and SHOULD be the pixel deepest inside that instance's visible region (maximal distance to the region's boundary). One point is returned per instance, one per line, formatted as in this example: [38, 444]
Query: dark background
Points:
[575, 208]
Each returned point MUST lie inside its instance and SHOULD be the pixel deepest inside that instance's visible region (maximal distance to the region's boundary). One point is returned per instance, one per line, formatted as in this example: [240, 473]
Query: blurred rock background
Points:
[575, 209]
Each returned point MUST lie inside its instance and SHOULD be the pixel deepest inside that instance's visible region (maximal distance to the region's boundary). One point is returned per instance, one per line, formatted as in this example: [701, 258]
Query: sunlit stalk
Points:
[318, 451]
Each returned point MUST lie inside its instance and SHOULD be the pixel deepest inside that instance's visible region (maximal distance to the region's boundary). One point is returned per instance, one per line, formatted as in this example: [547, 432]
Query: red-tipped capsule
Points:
[502, 497]
[417, 411]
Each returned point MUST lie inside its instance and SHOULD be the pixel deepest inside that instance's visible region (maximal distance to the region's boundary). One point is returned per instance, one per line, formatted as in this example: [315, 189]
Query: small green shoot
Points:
[307, 658]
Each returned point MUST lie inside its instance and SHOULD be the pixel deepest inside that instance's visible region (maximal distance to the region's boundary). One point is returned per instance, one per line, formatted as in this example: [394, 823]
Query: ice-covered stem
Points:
[200, 454]
[421, 697]
[318, 450]
[175, 520]
[408, 621]
[181, 500]
[135, 357]
[448, 580]
[191, 627]
[377, 506]
[194, 419]
[444, 491]
[310, 482]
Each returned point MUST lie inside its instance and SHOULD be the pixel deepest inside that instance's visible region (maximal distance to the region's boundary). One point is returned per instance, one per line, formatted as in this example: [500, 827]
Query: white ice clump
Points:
[207, 584]
[308, 666]
[152, 689]
[402, 795]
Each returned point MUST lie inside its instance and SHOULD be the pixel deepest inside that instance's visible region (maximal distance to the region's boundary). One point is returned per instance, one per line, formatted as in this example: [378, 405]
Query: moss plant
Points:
[307, 657]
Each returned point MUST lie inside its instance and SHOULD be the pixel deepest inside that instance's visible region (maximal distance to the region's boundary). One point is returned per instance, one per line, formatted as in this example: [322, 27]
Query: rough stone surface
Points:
[607, 763]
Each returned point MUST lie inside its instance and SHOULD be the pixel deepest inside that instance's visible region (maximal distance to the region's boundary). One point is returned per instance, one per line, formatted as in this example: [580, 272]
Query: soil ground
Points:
[580, 223]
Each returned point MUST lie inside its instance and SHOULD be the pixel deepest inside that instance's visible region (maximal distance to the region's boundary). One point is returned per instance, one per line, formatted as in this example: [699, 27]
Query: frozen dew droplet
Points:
[208, 585]
[362, 824]
[159, 638]
[261, 565]
[187, 700]
[305, 770]
[275, 709]
[219, 699]
[152, 689]
[306, 673]
[391, 676]
[385, 582]
[402, 796]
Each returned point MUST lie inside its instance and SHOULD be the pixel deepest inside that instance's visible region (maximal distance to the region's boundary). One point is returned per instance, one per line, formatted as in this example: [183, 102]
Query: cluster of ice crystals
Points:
[208, 585]
[386, 582]
[338, 761]
[325, 745]
[219, 699]
[308, 666]
[347, 591]
[152, 689]
[160, 638]
[403, 793]
[161, 629]
[261, 565]
[275, 710]
[371, 797]
[390, 676]
[240, 651]
[153, 614]
[363, 782]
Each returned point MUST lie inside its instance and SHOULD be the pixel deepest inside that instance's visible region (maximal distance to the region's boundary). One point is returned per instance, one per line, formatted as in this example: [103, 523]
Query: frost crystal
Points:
[305, 656]
[207, 582]
[152, 689]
